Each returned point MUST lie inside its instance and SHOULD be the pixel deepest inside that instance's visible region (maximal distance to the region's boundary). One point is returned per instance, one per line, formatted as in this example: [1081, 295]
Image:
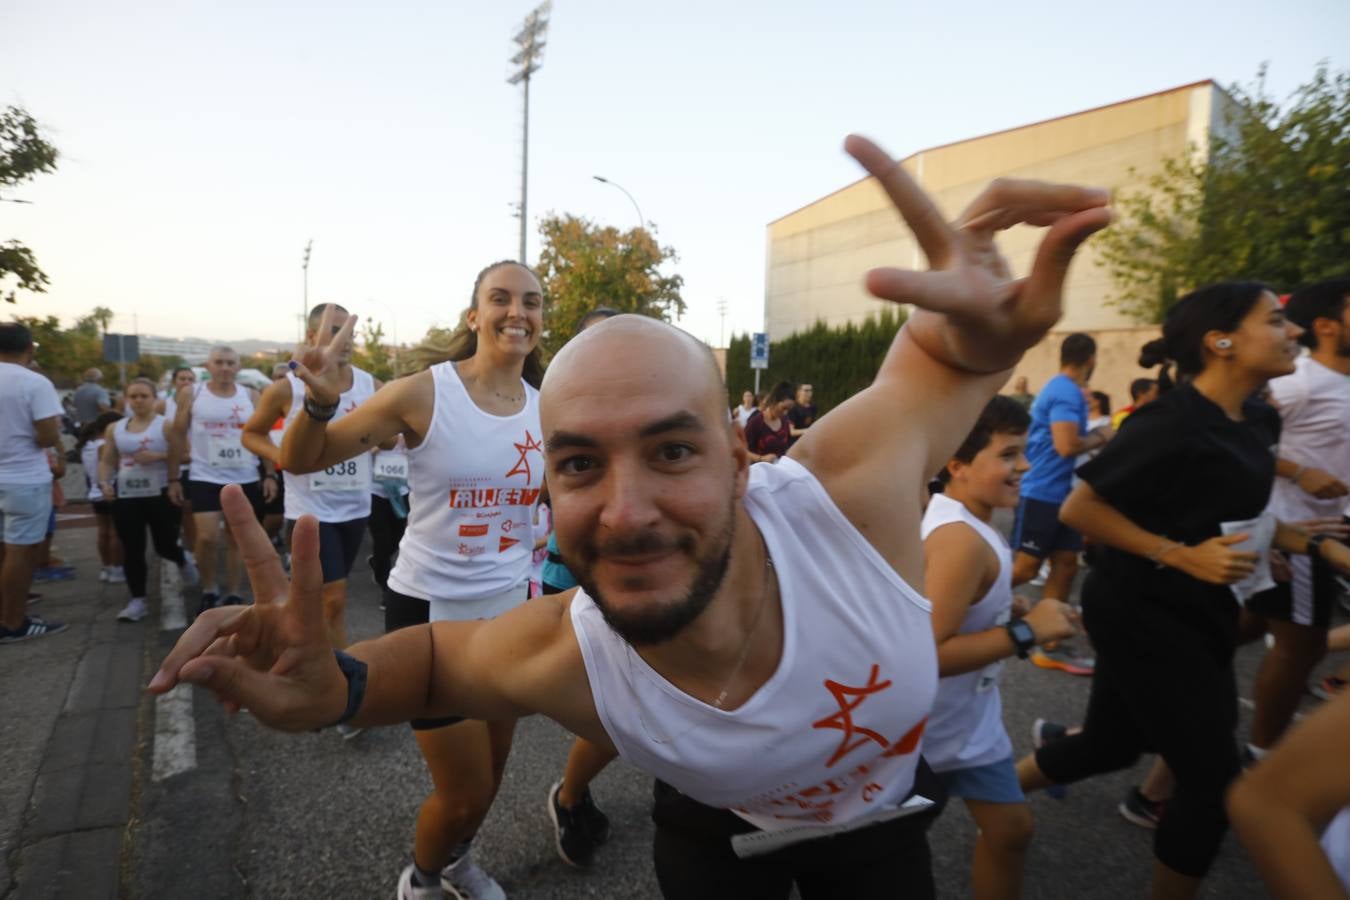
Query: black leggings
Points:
[131, 516]
[1160, 686]
[694, 860]
[386, 530]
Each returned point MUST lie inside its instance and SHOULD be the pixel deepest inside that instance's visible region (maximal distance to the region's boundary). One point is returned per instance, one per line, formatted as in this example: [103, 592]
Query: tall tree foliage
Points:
[373, 354]
[837, 362]
[1271, 203]
[23, 154]
[583, 265]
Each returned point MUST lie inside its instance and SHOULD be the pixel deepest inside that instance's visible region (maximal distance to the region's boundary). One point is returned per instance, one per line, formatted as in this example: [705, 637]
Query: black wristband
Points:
[319, 412]
[355, 672]
[1315, 545]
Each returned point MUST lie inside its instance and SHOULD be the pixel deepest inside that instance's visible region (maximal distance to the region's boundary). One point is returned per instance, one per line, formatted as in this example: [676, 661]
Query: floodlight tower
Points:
[304, 297]
[530, 38]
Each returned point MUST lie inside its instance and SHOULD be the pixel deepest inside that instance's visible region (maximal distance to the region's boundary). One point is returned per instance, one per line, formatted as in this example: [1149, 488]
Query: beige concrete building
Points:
[817, 254]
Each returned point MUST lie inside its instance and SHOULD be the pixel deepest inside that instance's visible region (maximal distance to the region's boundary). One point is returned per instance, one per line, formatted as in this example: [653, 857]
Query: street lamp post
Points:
[642, 223]
[530, 38]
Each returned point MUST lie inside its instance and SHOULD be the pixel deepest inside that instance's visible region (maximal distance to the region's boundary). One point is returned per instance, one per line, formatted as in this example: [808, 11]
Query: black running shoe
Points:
[1139, 810]
[578, 831]
[1045, 732]
[208, 601]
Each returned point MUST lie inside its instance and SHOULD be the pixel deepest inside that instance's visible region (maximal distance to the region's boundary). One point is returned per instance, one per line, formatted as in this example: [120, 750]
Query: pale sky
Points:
[204, 143]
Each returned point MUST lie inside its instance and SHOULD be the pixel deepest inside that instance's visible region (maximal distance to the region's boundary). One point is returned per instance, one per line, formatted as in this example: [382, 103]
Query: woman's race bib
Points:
[350, 475]
[136, 481]
[391, 466]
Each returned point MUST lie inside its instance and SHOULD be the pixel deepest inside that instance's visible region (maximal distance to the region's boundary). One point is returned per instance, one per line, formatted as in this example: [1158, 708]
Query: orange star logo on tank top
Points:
[843, 720]
[522, 466]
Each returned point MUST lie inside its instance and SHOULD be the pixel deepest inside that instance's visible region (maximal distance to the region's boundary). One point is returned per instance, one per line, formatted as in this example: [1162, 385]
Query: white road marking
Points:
[175, 734]
[171, 614]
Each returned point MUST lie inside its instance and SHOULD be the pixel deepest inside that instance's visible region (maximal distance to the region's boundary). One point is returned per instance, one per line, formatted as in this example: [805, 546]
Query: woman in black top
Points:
[1172, 500]
[768, 433]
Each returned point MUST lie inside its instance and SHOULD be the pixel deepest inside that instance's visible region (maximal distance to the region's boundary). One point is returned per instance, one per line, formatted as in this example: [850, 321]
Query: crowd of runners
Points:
[795, 622]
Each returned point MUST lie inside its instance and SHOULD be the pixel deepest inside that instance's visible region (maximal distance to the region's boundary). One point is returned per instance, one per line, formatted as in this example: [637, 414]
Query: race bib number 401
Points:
[352, 475]
[224, 451]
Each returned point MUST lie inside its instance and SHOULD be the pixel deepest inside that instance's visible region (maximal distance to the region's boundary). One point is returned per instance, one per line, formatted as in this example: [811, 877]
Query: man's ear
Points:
[740, 453]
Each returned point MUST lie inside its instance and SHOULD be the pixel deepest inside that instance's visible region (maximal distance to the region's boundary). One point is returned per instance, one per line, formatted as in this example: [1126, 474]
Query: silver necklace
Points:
[754, 626]
[740, 661]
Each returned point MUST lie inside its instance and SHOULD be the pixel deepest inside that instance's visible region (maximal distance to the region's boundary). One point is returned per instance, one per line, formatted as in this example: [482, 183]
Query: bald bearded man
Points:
[752, 636]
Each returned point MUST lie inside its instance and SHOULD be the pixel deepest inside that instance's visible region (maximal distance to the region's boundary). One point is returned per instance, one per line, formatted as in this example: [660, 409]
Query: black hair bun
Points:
[1154, 353]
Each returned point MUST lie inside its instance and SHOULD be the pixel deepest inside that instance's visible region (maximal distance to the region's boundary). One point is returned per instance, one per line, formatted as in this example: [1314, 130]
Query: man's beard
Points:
[656, 623]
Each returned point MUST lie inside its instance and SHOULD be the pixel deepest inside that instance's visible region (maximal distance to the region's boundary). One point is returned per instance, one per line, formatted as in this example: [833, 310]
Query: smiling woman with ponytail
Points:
[1177, 501]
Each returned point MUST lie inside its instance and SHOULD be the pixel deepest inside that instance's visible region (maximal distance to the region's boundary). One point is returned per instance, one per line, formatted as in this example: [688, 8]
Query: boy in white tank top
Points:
[688, 600]
[968, 580]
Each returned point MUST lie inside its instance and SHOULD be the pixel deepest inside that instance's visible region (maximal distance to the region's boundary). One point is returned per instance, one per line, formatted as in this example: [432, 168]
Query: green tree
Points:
[63, 354]
[583, 265]
[1270, 203]
[23, 154]
[99, 316]
[374, 355]
[837, 362]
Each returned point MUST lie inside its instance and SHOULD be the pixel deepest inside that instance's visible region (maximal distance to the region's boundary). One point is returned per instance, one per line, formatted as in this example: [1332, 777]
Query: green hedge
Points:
[837, 362]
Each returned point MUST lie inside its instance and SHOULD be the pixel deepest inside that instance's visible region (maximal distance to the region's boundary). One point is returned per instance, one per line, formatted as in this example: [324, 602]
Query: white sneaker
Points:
[117, 576]
[348, 731]
[134, 611]
[409, 891]
[103, 574]
[1041, 575]
[464, 880]
[189, 573]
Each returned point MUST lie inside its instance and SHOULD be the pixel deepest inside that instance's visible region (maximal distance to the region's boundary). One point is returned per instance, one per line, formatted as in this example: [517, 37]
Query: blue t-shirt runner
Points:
[1051, 475]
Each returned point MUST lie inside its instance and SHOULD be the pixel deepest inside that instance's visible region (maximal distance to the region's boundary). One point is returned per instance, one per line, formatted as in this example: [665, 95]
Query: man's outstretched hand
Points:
[274, 657]
[970, 312]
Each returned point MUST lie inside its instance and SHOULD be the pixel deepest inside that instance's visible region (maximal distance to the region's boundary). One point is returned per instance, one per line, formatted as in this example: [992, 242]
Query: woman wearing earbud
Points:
[1178, 502]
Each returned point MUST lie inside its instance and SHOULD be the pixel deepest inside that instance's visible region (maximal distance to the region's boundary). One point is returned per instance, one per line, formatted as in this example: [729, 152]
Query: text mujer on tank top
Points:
[475, 479]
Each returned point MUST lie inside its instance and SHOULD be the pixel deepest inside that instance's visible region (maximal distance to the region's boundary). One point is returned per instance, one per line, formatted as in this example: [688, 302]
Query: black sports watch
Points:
[1023, 637]
[354, 670]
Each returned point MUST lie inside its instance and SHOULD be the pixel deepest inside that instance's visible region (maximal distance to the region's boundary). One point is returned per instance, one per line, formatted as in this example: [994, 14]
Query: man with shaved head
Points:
[752, 636]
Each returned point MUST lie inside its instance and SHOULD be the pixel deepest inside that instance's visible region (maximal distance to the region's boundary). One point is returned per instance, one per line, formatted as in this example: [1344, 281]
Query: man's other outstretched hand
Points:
[970, 312]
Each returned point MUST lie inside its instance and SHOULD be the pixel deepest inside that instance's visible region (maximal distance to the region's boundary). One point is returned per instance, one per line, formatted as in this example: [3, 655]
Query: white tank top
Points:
[833, 737]
[341, 492]
[475, 479]
[89, 459]
[134, 479]
[218, 456]
[966, 726]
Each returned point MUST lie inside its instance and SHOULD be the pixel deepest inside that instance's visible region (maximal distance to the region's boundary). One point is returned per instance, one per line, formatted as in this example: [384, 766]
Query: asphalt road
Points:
[265, 814]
